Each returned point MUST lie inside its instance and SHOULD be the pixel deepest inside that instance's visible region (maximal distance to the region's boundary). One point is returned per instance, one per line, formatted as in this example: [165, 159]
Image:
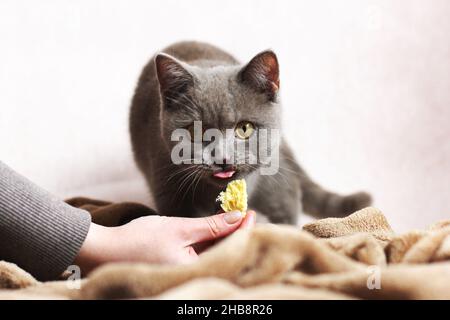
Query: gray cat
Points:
[194, 81]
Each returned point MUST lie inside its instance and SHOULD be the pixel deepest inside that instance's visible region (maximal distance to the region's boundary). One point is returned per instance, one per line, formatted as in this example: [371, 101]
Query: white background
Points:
[365, 85]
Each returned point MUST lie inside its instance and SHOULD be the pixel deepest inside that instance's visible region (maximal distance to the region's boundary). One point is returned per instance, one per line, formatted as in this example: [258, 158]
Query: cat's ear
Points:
[262, 73]
[172, 76]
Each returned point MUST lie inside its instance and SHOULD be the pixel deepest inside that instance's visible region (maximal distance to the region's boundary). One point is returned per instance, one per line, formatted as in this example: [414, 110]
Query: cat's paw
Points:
[355, 202]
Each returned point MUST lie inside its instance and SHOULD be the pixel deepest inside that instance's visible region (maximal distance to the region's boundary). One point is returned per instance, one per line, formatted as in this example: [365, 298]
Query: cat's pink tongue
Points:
[224, 174]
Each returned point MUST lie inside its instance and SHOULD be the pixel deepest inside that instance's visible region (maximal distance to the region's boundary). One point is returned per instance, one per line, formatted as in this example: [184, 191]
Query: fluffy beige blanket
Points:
[357, 257]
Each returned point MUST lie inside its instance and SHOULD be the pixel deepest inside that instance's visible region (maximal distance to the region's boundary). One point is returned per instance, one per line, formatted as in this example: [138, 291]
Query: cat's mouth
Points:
[224, 171]
[224, 174]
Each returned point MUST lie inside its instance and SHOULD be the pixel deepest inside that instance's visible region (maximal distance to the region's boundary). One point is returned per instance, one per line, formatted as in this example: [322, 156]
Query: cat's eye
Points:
[244, 130]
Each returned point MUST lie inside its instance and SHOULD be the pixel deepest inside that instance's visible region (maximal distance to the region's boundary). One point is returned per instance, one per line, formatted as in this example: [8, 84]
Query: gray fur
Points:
[197, 81]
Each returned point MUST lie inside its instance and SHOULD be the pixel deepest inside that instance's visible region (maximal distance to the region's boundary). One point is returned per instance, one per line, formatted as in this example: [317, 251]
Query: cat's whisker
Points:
[200, 175]
[185, 181]
[174, 174]
[180, 180]
[190, 182]
[280, 173]
[283, 175]
[288, 169]
[174, 165]
[272, 179]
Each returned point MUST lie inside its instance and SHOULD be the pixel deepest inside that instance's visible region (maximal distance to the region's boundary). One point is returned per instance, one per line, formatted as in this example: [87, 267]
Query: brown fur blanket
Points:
[357, 257]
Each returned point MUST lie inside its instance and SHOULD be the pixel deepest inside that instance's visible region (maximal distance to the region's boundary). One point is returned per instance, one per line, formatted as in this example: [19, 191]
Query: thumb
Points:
[212, 227]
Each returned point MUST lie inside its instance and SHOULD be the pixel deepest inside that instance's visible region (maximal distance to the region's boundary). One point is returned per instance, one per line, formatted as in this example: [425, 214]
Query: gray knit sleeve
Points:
[38, 232]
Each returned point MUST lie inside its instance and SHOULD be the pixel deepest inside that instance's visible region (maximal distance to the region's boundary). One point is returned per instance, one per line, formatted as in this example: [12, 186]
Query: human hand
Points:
[158, 239]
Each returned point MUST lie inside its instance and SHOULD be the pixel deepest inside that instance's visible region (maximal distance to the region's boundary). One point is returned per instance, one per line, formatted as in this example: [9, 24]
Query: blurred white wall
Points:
[365, 85]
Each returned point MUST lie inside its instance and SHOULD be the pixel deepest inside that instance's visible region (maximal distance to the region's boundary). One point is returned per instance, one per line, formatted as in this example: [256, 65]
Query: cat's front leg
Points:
[277, 198]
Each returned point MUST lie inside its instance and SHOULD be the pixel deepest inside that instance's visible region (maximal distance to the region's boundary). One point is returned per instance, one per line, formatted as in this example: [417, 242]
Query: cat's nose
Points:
[224, 171]
[226, 166]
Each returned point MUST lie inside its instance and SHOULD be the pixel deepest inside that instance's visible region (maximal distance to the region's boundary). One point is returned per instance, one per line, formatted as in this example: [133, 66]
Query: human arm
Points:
[38, 232]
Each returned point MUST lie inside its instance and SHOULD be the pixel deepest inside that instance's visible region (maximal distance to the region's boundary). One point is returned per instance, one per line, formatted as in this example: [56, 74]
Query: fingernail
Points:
[232, 217]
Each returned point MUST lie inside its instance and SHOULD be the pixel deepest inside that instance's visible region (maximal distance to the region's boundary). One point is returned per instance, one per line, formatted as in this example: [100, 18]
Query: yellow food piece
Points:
[234, 197]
